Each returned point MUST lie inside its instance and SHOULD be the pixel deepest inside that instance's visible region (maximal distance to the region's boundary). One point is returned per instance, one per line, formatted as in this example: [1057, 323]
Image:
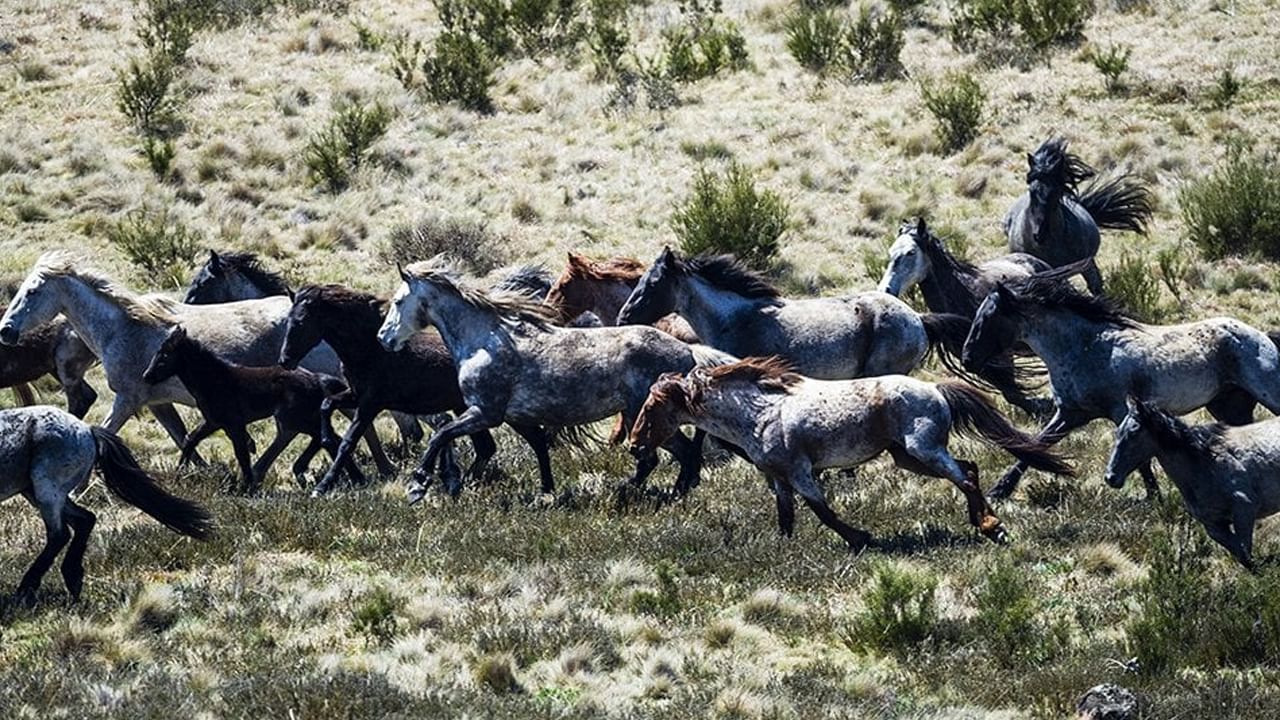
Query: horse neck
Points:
[1057, 336]
[352, 333]
[1185, 465]
[95, 317]
[708, 309]
[199, 368]
[944, 288]
[733, 414]
[242, 287]
[464, 327]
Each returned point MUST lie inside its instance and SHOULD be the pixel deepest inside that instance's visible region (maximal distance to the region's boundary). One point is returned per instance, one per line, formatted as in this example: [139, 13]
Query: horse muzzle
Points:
[9, 335]
[1114, 480]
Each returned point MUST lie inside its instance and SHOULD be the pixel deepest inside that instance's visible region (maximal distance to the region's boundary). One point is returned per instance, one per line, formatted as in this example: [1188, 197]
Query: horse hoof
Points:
[416, 493]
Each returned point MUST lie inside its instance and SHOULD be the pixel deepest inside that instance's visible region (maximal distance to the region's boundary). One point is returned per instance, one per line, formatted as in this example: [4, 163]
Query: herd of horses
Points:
[794, 386]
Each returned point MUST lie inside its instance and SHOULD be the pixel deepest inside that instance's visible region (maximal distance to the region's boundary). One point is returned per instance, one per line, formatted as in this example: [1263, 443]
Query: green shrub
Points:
[460, 69]
[957, 104]
[366, 37]
[1010, 618]
[1235, 209]
[1226, 88]
[159, 156]
[900, 610]
[1112, 63]
[1177, 269]
[1017, 28]
[663, 600]
[337, 151]
[158, 243]
[143, 95]
[1133, 285]
[167, 27]
[470, 244]
[817, 39]
[607, 35]
[541, 26]
[375, 616]
[486, 22]
[875, 43]
[406, 54]
[728, 214]
[701, 45]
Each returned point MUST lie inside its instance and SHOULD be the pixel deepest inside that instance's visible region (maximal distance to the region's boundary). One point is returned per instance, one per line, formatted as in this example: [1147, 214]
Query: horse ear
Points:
[215, 260]
[1133, 403]
[403, 275]
[1031, 161]
[578, 262]
[922, 229]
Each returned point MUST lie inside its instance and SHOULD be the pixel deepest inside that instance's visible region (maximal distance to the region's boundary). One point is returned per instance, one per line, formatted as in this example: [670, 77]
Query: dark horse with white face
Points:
[951, 285]
[737, 311]
[1097, 357]
[516, 366]
[1058, 222]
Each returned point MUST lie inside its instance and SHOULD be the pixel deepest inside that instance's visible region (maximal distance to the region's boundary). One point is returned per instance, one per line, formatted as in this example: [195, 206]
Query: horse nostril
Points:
[8, 335]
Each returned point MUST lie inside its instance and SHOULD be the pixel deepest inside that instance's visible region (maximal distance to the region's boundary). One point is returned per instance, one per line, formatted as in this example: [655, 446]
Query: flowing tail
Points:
[946, 334]
[973, 414]
[131, 484]
[1119, 204]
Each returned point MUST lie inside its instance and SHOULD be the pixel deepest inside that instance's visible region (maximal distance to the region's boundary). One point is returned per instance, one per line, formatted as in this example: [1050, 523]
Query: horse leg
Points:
[785, 496]
[1243, 516]
[485, 448]
[23, 392]
[303, 463]
[802, 482]
[82, 522]
[410, 430]
[283, 437]
[172, 423]
[239, 435]
[1057, 428]
[344, 400]
[56, 535]
[1222, 534]
[341, 457]
[471, 421]
[689, 454]
[1093, 277]
[80, 397]
[536, 436]
[202, 431]
[929, 450]
[1233, 406]
[380, 459]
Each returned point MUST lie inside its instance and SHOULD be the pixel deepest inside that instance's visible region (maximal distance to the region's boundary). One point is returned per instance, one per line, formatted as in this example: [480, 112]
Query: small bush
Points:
[1013, 29]
[900, 609]
[728, 214]
[143, 95]
[159, 156]
[607, 35]
[701, 45]
[1010, 618]
[472, 245]
[406, 54]
[460, 69]
[337, 151]
[876, 45]
[1177, 269]
[817, 39]
[663, 600]
[957, 103]
[1112, 63]
[1225, 89]
[1235, 209]
[166, 27]
[542, 26]
[375, 616]
[488, 22]
[366, 37]
[1132, 284]
[158, 243]
[32, 70]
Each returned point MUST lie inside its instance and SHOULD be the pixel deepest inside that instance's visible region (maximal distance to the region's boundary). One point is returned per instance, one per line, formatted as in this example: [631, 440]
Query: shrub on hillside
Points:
[1136, 288]
[338, 150]
[1011, 619]
[729, 214]
[158, 243]
[702, 43]
[476, 248]
[1235, 209]
[1112, 63]
[460, 69]
[900, 610]
[1017, 29]
[957, 103]
[144, 95]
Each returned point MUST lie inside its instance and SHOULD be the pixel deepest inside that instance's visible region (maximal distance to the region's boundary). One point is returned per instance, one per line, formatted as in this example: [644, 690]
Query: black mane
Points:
[1174, 434]
[533, 280]
[1050, 289]
[727, 273]
[1052, 163]
[248, 264]
[938, 252]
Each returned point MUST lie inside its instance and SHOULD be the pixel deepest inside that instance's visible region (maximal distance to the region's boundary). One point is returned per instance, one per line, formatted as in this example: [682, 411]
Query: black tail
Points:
[1119, 204]
[132, 484]
[582, 438]
[973, 414]
[946, 334]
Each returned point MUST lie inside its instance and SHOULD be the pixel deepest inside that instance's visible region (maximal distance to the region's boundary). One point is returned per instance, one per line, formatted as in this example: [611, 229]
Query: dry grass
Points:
[499, 604]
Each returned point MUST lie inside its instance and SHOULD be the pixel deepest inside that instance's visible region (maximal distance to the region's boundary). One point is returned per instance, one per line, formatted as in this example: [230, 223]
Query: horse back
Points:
[55, 442]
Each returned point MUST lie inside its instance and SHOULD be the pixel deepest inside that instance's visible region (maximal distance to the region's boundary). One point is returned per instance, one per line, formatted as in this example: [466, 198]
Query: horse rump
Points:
[973, 414]
[130, 483]
[1118, 204]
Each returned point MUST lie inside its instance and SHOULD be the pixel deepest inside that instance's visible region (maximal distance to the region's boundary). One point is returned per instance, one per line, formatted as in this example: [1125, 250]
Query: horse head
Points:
[660, 417]
[909, 263]
[995, 329]
[655, 293]
[1134, 444]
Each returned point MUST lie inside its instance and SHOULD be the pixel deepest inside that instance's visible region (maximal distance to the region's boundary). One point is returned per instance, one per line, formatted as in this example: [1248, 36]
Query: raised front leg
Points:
[202, 431]
[471, 421]
[342, 457]
[1057, 428]
[802, 480]
[172, 423]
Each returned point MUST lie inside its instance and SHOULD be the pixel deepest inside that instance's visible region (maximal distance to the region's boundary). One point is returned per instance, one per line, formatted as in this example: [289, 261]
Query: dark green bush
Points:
[957, 103]
[702, 44]
[460, 69]
[542, 26]
[900, 610]
[338, 150]
[876, 45]
[1112, 63]
[166, 27]
[406, 54]
[818, 40]
[473, 245]
[375, 616]
[1010, 618]
[728, 214]
[608, 35]
[159, 156]
[1225, 89]
[143, 94]
[158, 243]
[1133, 285]
[486, 22]
[1235, 209]
[1023, 29]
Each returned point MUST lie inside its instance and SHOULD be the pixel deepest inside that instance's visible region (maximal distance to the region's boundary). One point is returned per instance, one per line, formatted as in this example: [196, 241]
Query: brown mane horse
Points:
[601, 287]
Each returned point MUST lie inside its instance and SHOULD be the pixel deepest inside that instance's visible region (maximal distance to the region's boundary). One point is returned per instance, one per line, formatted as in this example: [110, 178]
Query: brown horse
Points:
[601, 287]
[52, 349]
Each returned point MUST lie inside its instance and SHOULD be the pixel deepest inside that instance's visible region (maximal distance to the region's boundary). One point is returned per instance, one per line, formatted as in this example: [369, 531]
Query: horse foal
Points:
[791, 427]
[46, 453]
[231, 396]
[1229, 477]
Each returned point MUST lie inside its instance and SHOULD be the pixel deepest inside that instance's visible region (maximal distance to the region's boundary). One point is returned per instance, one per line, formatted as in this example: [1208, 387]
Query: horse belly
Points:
[564, 401]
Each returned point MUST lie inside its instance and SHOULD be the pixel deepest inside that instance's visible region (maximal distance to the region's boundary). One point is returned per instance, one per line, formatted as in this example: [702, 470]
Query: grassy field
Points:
[505, 603]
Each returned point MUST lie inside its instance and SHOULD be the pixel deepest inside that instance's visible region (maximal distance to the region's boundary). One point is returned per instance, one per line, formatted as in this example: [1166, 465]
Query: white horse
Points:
[124, 330]
[791, 427]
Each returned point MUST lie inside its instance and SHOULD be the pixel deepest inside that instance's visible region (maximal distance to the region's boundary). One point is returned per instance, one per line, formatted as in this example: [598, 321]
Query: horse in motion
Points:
[1058, 221]
[792, 427]
[599, 288]
[516, 366]
[1229, 477]
[52, 349]
[419, 379]
[46, 453]
[738, 311]
[951, 285]
[1097, 356]
[231, 396]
